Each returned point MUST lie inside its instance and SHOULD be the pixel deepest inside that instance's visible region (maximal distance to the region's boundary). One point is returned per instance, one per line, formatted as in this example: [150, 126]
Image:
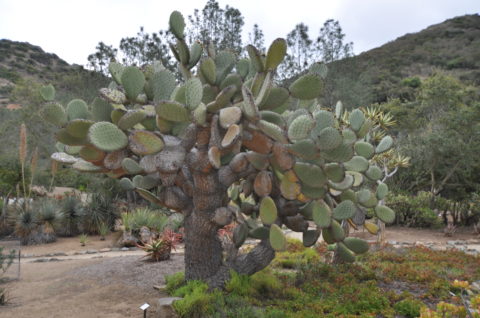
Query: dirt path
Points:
[86, 288]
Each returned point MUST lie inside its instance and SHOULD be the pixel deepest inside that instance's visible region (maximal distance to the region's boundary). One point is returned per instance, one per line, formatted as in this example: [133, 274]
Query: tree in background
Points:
[300, 52]
[330, 42]
[257, 38]
[100, 60]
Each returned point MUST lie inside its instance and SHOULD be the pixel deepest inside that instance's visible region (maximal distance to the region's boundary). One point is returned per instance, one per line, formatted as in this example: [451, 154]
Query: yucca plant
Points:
[161, 248]
[99, 210]
[48, 218]
[72, 211]
[26, 226]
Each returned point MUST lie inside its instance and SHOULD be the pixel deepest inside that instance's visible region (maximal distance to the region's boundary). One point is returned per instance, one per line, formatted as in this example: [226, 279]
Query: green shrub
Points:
[413, 82]
[239, 284]
[174, 281]
[414, 211]
[155, 220]
[196, 302]
[409, 308]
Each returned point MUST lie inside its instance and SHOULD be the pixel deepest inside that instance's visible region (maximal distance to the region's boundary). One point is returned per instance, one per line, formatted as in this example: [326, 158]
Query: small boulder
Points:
[165, 308]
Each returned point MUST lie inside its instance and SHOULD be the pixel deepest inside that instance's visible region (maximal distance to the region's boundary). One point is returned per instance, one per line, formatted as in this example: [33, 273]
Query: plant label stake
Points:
[144, 308]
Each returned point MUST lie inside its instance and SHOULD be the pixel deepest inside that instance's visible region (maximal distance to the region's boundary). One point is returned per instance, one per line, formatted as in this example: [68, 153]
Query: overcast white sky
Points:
[71, 29]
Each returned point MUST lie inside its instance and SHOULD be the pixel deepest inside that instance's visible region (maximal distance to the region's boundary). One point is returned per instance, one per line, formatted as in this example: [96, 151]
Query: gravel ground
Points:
[129, 270]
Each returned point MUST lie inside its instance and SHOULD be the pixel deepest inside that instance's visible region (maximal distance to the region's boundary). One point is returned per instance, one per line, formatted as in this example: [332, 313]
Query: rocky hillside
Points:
[452, 46]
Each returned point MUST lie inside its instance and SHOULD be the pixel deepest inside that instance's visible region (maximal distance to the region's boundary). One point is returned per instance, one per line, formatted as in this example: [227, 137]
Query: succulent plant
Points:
[195, 146]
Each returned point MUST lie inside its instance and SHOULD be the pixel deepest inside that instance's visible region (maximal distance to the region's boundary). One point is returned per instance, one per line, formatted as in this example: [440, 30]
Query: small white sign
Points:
[144, 306]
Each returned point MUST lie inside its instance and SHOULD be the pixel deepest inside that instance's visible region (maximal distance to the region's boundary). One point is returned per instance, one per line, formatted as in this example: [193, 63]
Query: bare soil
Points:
[115, 286]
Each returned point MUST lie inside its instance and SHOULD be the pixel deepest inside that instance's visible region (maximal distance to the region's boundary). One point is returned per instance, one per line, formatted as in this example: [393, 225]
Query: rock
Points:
[165, 308]
[146, 235]
[104, 250]
[124, 249]
[127, 239]
[92, 251]
[160, 287]
[392, 242]
[451, 242]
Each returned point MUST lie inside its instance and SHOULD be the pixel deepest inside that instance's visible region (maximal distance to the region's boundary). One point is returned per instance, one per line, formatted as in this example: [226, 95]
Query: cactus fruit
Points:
[107, 136]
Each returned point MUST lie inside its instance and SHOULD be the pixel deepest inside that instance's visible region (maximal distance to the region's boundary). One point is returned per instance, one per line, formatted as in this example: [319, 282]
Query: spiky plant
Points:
[99, 210]
[83, 238]
[72, 213]
[201, 147]
[26, 226]
[103, 230]
[161, 248]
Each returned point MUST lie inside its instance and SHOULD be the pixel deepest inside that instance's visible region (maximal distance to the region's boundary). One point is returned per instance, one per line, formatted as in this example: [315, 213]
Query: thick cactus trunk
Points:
[203, 249]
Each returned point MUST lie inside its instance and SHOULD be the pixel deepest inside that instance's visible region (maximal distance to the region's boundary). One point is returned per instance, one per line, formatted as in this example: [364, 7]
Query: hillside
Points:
[23, 69]
[452, 46]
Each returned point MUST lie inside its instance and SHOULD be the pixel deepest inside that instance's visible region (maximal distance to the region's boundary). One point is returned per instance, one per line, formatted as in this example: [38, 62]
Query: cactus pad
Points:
[364, 149]
[310, 237]
[268, 210]
[357, 118]
[172, 111]
[54, 113]
[374, 173]
[126, 184]
[116, 70]
[371, 228]
[92, 154]
[272, 131]
[382, 191]
[276, 53]
[193, 92]
[308, 86]
[177, 24]
[79, 128]
[101, 110]
[65, 138]
[85, 166]
[143, 142]
[107, 137]
[163, 84]
[77, 109]
[310, 174]
[229, 116]
[385, 144]
[47, 92]
[289, 189]
[133, 82]
[232, 135]
[345, 184]
[385, 214]
[300, 128]
[345, 253]
[321, 214]
[277, 238]
[208, 70]
[357, 163]
[335, 172]
[344, 210]
[329, 138]
[63, 158]
[305, 149]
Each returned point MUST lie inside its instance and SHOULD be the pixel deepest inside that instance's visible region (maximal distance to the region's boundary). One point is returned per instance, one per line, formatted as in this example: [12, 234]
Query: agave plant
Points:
[83, 239]
[161, 248]
[103, 230]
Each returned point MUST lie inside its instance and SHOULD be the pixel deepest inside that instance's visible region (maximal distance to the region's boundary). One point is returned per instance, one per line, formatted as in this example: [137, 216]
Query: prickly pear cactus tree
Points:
[219, 148]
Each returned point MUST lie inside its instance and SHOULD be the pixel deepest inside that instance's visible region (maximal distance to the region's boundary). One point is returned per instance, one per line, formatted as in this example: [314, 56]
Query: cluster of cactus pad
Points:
[279, 167]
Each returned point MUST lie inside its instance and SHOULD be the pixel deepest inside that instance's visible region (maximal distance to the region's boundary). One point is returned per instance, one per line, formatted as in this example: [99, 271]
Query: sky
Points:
[71, 29]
